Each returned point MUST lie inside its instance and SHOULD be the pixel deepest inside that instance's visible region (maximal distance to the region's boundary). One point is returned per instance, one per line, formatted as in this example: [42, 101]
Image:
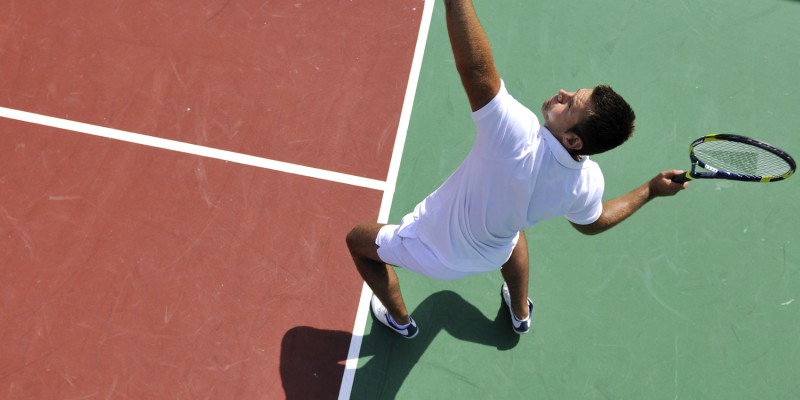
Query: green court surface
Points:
[694, 297]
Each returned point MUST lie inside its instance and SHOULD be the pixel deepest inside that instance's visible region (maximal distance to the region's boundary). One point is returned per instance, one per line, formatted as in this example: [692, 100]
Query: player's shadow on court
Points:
[311, 368]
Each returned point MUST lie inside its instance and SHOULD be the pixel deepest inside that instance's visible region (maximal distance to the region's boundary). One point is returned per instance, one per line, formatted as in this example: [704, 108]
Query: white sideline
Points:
[388, 194]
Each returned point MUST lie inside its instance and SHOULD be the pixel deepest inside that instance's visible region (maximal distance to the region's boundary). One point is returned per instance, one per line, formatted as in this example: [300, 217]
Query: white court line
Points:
[388, 194]
[192, 149]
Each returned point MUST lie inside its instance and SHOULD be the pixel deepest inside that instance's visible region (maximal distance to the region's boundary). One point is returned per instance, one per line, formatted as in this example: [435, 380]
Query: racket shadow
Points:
[311, 368]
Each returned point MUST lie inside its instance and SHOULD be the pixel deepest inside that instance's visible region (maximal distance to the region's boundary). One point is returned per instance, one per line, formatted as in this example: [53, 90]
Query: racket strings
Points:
[741, 158]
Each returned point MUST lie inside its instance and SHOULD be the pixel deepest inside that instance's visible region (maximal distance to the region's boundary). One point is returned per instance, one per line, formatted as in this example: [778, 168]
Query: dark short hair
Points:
[609, 124]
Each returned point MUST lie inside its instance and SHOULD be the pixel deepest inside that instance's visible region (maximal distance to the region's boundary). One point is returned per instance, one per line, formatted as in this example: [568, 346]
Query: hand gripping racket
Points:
[739, 158]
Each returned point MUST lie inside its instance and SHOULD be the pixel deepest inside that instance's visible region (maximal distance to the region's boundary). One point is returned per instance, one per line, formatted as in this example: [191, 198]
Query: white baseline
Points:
[188, 148]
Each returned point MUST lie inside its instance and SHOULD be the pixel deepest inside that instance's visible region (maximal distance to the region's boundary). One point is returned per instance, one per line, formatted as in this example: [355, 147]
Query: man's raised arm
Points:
[472, 52]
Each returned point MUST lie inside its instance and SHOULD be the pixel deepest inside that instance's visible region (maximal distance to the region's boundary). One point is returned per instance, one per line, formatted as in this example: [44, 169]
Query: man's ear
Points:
[572, 141]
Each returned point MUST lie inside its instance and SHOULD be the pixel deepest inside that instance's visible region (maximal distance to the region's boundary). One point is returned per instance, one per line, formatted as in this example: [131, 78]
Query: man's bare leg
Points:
[515, 272]
[378, 275]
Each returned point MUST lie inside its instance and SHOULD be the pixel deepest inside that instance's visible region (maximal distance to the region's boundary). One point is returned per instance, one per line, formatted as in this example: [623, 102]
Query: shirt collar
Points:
[562, 156]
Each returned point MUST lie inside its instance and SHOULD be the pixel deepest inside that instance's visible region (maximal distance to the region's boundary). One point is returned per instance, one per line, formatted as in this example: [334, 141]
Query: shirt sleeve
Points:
[504, 126]
[588, 207]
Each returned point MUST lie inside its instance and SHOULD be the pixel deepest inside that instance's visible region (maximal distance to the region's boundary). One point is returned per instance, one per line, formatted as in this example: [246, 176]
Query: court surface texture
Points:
[177, 179]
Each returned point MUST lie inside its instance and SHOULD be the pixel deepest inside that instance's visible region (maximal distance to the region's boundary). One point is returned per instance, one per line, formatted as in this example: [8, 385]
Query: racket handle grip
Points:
[681, 178]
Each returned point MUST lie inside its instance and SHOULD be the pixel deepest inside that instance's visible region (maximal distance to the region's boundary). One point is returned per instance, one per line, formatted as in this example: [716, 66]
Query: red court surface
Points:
[129, 271]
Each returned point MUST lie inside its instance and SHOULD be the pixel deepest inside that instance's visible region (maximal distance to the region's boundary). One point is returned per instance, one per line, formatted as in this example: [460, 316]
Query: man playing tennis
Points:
[518, 173]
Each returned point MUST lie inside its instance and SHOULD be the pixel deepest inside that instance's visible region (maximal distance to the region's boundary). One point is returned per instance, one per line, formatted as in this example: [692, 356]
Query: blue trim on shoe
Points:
[519, 326]
[380, 314]
[407, 332]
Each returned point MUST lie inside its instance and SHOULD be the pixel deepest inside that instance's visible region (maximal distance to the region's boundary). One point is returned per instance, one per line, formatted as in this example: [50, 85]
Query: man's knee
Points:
[359, 237]
[352, 239]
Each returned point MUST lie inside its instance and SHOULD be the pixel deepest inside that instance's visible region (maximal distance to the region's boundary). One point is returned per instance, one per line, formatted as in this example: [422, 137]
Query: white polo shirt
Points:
[516, 175]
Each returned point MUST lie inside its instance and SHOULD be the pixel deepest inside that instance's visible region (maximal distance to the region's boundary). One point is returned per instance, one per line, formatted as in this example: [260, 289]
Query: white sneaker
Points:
[520, 326]
[380, 313]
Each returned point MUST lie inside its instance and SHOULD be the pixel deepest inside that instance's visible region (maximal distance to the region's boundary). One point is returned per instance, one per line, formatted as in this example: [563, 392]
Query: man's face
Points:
[565, 109]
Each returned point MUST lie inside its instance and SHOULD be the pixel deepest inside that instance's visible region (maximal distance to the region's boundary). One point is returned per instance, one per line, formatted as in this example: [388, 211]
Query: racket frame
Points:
[710, 172]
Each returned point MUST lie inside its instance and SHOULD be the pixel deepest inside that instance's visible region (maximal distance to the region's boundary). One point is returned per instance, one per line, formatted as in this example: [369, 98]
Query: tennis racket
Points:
[739, 158]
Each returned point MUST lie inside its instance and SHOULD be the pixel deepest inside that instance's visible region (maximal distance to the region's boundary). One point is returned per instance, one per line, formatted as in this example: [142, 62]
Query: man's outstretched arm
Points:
[617, 210]
[472, 52]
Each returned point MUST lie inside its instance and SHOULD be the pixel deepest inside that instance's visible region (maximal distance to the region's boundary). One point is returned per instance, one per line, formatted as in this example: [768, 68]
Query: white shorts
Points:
[410, 253]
